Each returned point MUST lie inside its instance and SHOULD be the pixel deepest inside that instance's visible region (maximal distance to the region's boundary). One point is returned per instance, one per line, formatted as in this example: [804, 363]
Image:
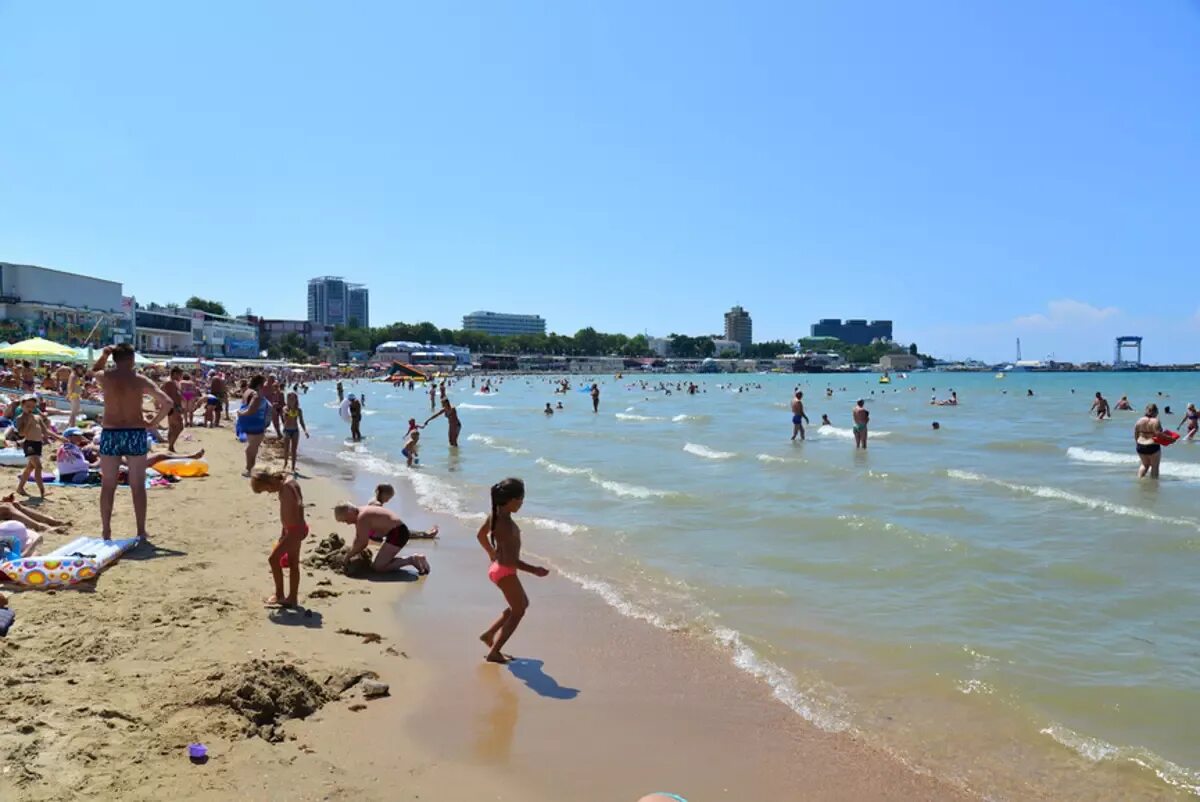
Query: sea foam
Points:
[616, 488]
[706, 452]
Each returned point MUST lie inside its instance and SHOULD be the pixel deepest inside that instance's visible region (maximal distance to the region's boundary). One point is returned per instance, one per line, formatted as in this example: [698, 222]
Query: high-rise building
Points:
[333, 302]
[501, 324]
[739, 327]
[853, 332]
[358, 304]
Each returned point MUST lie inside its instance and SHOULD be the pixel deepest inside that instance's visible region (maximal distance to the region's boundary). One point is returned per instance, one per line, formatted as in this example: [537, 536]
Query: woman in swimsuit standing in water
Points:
[501, 539]
[1148, 451]
[1192, 418]
[451, 414]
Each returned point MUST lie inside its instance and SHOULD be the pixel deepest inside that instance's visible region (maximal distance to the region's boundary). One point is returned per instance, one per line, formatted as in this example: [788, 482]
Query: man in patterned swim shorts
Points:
[124, 433]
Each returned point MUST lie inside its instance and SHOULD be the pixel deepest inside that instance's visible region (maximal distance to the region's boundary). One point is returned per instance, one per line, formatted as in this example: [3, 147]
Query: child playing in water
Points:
[410, 447]
[34, 430]
[500, 537]
[293, 422]
[383, 494]
[291, 515]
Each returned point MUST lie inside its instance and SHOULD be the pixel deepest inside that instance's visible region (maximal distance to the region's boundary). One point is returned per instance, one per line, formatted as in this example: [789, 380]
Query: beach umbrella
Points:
[37, 348]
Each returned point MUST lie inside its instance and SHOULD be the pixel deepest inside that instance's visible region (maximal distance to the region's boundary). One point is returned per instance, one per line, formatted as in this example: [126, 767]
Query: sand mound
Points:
[330, 553]
[267, 693]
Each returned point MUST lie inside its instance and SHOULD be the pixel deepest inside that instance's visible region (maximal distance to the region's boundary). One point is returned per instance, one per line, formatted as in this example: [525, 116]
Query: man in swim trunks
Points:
[175, 414]
[124, 433]
[861, 416]
[1100, 407]
[371, 520]
[595, 397]
[798, 416]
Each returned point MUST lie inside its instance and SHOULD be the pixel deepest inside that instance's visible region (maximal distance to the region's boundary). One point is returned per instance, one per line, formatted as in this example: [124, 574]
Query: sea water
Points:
[999, 602]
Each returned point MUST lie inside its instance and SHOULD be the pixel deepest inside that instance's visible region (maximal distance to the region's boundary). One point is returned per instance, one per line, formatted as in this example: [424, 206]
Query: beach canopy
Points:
[37, 348]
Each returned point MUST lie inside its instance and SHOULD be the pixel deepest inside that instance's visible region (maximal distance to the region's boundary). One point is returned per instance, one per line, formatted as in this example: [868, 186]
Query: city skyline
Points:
[975, 174]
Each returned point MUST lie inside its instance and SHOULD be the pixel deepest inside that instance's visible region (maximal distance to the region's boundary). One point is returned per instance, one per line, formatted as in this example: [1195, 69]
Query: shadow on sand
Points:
[537, 680]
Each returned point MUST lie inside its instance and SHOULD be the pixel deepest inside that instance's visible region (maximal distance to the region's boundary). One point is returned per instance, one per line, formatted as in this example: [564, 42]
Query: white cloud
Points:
[1066, 313]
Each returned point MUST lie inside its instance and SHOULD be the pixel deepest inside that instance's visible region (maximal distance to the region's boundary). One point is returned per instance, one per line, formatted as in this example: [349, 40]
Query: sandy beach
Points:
[107, 685]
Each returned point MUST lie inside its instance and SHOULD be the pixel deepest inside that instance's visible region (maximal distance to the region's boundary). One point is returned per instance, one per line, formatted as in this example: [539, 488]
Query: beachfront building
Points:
[180, 331]
[273, 331]
[899, 361]
[503, 325]
[334, 302]
[64, 307]
[739, 327]
[853, 332]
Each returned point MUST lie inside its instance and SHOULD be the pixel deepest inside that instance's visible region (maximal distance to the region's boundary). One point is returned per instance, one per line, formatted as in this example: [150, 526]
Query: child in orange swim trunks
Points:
[295, 529]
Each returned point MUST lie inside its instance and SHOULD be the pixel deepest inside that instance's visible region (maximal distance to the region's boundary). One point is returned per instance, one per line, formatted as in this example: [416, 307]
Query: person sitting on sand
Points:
[383, 494]
[371, 519]
[291, 515]
[75, 458]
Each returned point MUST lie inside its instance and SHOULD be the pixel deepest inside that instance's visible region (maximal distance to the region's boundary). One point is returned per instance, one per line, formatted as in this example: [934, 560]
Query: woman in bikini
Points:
[1192, 418]
[500, 537]
[451, 414]
[293, 422]
[1148, 450]
[187, 391]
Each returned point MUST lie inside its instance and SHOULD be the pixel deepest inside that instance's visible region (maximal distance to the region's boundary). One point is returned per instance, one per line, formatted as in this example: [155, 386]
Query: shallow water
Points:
[999, 602]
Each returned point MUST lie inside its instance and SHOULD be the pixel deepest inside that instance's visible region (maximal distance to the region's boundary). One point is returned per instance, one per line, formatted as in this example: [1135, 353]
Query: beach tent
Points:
[37, 348]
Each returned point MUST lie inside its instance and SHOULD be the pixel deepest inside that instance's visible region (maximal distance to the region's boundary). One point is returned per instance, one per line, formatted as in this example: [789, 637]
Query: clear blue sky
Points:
[975, 171]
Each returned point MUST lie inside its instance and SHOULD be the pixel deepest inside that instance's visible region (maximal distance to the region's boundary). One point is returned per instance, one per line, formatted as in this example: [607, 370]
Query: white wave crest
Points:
[616, 488]
[779, 460]
[475, 406]
[689, 418]
[1098, 751]
[1054, 493]
[561, 527]
[783, 684]
[834, 431]
[491, 442]
[639, 418]
[706, 452]
[1182, 470]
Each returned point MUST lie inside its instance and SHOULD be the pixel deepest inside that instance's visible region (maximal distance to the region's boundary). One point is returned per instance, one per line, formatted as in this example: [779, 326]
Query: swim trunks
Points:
[124, 443]
[1148, 449]
[297, 529]
[32, 448]
[398, 537]
[496, 572]
[797, 420]
[858, 427]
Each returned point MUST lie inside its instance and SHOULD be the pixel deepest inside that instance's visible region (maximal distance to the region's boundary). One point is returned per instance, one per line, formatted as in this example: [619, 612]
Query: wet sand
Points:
[104, 687]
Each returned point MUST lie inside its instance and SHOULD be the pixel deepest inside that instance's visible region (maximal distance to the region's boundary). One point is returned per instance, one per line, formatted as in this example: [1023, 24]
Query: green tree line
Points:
[585, 342]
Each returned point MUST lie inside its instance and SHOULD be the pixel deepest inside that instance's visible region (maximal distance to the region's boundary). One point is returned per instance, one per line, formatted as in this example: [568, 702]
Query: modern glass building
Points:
[333, 302]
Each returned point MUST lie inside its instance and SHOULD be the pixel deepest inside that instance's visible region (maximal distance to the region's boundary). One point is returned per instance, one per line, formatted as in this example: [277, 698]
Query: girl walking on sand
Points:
[500, 537]
[293, 422]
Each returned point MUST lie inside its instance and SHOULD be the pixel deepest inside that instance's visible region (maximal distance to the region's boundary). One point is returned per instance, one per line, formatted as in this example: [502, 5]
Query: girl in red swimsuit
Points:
[501, 539]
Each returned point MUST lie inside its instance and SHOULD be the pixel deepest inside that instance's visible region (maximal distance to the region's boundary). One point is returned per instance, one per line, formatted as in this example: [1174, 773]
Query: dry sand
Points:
[104, 688]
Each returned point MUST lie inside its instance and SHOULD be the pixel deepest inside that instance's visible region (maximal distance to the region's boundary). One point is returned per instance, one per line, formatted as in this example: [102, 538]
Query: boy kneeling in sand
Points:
[371, 520]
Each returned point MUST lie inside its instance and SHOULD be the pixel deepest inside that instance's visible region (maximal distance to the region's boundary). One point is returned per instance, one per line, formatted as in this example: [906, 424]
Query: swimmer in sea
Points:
[1192, 418]
[548, 410]
[1100, 407]
[798, 416]
[936, 426]
[1029, 393]
[861, 417]
[825, 421]
[1124, 404]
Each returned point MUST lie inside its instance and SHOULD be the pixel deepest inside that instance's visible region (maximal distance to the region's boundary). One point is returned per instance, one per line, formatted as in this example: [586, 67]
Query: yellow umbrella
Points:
[37, 348]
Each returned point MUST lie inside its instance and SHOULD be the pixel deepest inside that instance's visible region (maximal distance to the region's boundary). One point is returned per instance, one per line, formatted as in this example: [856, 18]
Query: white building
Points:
[192, 332]
[726, 346]
[64, 307]
[503, 325]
